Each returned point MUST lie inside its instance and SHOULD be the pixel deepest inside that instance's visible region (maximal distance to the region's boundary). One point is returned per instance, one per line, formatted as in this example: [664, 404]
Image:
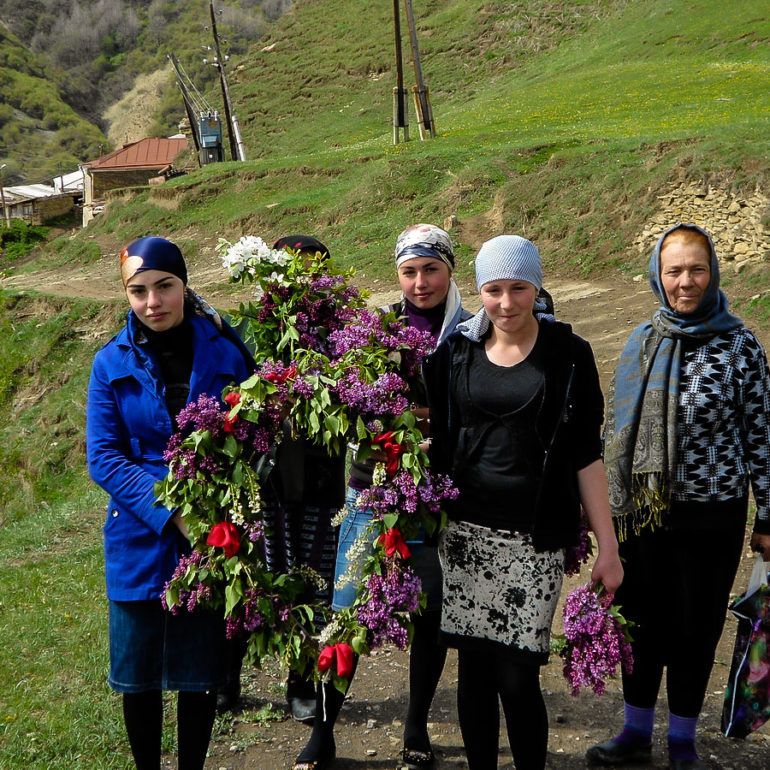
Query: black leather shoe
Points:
[302, 709]
[686, 764]
[613, 753]
[322, 763]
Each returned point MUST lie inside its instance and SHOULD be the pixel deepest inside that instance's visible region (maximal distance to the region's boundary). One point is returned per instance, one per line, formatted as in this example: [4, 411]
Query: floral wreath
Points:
[338, 374]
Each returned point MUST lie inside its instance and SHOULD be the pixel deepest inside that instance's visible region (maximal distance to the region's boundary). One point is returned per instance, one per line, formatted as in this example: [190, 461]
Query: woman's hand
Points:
[181, 526]
[608, 571]
[761, 544]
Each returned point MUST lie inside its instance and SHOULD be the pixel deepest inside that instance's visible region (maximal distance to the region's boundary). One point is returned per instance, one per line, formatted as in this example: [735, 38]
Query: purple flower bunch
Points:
[198, 593]
[596, 639]
[389, 599]
[401, 493]
[207, 413]
[369, 329]
[383, 397]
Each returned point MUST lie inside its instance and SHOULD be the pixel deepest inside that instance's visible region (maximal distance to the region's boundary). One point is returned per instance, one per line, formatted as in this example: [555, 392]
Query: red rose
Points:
[278, 378]
[233, 398]
[393, 542]
[229, 424]
[225, 535]
[393, 451]
[344, 655]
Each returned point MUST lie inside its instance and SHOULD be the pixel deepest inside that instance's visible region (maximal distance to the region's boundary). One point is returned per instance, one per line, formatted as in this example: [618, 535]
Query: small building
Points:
[70, 183]
[36, 203]
[133, 165]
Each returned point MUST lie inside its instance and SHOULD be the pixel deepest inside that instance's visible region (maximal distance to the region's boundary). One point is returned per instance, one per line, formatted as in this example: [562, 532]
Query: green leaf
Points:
[390, 520]
[361, 430]
[230, 447]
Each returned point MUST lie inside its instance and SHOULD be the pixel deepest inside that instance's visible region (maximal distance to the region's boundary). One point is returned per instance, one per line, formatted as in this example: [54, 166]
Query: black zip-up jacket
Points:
[568, 425]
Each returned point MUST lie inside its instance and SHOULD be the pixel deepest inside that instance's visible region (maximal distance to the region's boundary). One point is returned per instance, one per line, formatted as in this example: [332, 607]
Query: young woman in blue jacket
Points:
[172, 349]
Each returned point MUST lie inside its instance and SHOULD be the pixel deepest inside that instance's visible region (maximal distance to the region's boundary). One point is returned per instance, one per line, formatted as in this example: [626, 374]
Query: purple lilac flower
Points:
[401, 494]
[255, 531]
[395, 593]
[204, 414]
[596, 642]
[382, 397]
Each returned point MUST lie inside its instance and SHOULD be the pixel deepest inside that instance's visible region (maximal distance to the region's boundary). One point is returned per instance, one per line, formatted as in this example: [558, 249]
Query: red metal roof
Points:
[154, 152]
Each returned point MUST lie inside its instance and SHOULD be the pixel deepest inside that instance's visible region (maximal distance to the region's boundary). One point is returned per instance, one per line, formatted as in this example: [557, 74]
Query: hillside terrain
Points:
[85, 55]
[586, 126]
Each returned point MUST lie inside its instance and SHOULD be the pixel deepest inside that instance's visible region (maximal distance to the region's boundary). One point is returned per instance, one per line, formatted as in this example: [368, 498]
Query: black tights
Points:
[143, 715]
[426, 662]
[328, 704]
[482, 677]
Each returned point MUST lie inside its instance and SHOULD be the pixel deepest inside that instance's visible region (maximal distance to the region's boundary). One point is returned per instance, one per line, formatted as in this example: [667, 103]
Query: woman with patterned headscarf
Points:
[687, 432]
[430, 302]
[172, 349]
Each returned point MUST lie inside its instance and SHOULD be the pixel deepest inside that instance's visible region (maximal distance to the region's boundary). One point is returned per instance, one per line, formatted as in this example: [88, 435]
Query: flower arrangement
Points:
[596, 639]
[337, 373]
[298, 300]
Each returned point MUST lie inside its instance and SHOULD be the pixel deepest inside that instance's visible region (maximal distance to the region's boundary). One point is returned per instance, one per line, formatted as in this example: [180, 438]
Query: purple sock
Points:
[637, 725]
[681, 737]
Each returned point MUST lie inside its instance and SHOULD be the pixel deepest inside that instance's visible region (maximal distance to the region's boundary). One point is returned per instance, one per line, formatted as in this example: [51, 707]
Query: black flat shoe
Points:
[686, 764]
[416, 760]
[322, 763]
[612, 753]
[302, 710]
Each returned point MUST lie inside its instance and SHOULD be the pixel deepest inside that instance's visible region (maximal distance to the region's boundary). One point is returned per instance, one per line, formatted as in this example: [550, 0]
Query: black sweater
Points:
[568, 425]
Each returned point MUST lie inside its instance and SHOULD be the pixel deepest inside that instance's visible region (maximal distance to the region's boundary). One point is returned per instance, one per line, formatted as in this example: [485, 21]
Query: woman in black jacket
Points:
[516, 411]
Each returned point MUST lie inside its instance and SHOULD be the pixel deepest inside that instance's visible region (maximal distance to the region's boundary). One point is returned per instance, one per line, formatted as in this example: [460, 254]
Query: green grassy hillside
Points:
[40, 135]
[563, 124]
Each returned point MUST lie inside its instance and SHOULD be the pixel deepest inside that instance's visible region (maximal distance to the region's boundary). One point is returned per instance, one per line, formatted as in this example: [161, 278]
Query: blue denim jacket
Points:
[127, 428]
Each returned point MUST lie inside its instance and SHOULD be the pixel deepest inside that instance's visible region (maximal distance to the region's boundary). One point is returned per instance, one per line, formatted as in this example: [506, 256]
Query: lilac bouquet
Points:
[335, 374]
[596, 639]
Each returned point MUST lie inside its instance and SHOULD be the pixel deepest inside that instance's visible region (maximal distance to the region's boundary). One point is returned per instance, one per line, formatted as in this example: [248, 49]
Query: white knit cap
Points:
[509, 258]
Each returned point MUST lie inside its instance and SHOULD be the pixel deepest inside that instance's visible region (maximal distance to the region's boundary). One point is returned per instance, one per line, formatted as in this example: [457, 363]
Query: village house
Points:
[133, 165]
[36, 204]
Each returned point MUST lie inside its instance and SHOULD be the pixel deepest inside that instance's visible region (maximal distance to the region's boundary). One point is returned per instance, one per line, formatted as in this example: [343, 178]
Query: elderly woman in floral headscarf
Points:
[686, 435]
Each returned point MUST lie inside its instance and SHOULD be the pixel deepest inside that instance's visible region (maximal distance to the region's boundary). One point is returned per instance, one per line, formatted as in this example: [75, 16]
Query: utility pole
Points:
[400, 104]
[419, 91]
[2, 198]
[237, 149]
[187, 99]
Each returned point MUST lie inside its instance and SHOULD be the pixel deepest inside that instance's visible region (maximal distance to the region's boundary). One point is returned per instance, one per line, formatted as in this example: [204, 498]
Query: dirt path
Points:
[370, 728]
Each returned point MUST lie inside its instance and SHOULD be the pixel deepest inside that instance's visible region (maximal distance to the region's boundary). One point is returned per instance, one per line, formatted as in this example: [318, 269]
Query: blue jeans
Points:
[352, 527]
[424, 559]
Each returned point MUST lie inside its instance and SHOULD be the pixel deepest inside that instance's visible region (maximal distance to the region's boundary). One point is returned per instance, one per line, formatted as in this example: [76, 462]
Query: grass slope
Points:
[563, 121]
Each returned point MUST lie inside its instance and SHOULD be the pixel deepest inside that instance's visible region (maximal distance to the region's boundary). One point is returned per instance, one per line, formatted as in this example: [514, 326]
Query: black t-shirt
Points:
[500, 470]
[173, 351]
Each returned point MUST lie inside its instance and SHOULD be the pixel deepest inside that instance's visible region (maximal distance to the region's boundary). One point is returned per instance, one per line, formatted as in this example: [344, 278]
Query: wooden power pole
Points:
[237, 149]
[422, 106]
[400, 103]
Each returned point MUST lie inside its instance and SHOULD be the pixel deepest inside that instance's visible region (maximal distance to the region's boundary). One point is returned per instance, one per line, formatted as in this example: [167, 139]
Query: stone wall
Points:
[735, 222]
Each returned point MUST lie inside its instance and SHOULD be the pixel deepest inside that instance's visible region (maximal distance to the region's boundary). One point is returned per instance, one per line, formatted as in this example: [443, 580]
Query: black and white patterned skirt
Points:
[498, 590]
